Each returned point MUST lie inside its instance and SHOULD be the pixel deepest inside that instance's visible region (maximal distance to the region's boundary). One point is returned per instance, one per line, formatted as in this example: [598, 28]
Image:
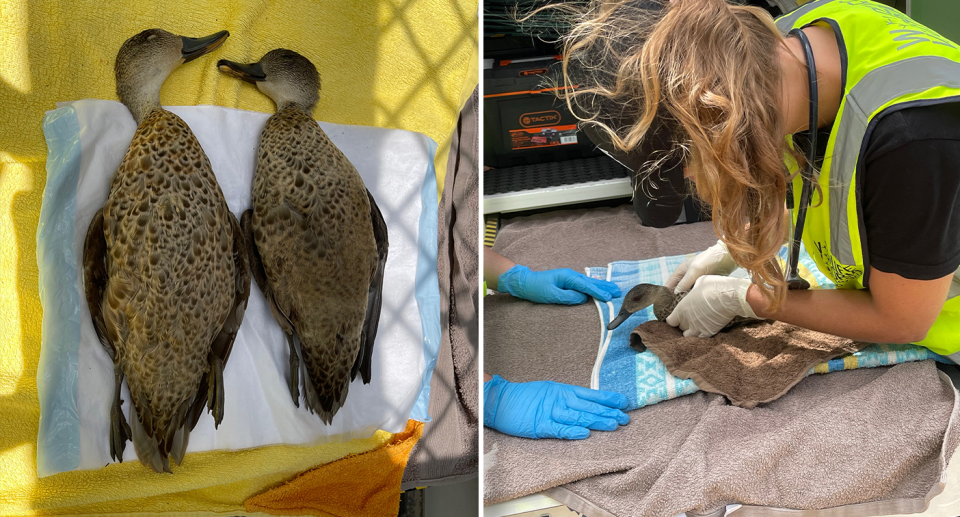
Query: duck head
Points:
[641, 297]
[147, 59]
[283, 75]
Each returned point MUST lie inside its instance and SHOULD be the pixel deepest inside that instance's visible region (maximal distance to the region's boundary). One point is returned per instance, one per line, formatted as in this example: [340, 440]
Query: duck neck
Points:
[141, 99]
[288, 104]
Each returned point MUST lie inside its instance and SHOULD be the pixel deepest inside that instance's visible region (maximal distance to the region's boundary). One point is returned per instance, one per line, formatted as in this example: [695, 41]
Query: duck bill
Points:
[196, 47]
[250, 73]
[618, 320]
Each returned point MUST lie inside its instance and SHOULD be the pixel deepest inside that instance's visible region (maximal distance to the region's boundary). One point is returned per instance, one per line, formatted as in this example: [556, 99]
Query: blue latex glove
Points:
[563, 286]
[547, 409]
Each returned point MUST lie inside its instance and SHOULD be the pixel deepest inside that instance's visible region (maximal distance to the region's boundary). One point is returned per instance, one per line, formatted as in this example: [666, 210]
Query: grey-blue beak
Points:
[618, 320]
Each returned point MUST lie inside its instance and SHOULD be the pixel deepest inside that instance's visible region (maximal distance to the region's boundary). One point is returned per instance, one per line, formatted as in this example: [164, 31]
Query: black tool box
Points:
[524, 122]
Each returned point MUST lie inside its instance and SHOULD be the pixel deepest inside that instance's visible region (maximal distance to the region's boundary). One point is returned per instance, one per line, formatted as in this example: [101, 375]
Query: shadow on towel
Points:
[750, 365]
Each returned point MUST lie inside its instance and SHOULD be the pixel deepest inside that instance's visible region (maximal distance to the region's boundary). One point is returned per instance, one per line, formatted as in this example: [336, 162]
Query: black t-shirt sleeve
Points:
[910, 192]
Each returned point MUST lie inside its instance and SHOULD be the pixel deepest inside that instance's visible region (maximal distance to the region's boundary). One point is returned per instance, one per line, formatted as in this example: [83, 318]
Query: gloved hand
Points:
[710, 306]
[547, 409]
[564, 286]
[715, 260]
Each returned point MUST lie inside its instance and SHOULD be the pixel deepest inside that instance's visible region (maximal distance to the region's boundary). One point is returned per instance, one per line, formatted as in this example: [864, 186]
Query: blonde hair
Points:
[709, 73]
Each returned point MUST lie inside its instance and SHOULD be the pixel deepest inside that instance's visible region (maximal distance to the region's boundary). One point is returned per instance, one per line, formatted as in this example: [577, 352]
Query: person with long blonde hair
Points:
[848, 110]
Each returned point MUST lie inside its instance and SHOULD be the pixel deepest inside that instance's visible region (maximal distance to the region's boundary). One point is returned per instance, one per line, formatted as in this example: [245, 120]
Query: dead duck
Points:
[318, 240]
[164, 263]
[663, 300]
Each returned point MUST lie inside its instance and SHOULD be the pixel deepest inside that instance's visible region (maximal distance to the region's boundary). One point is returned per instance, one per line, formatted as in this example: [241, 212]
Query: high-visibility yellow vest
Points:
[889, 62]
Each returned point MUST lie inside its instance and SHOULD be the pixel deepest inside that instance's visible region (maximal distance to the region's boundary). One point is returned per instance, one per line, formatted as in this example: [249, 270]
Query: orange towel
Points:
[362, 485]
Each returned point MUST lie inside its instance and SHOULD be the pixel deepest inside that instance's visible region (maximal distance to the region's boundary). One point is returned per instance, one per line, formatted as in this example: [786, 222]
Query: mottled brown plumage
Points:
[319, 242]
[165, 264]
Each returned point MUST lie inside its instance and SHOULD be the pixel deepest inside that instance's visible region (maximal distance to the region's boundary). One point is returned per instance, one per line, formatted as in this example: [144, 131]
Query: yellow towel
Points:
[407, 64]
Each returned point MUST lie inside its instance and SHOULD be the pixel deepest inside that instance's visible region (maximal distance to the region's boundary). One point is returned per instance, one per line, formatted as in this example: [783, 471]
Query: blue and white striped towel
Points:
[644, 379]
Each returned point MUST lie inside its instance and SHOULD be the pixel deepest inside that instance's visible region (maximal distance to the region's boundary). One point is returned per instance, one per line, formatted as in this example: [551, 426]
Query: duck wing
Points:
[223, 341]
[95, 278]
[372, 319]
[95, 286]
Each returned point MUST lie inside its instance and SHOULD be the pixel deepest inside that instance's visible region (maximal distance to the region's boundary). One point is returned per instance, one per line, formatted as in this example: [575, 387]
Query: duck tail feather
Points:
[180, 441]
[146, 446]
[177, 433]
[325, 403]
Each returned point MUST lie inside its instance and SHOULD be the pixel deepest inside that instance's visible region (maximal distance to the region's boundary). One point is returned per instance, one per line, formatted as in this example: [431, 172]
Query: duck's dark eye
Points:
[636, 298]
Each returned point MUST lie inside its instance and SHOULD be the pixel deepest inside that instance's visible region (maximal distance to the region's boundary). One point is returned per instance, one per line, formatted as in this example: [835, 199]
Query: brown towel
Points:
[750, 365]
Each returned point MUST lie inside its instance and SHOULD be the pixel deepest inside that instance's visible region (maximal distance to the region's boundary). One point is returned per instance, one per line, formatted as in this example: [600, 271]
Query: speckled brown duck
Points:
[663, 300]
[164, 263]
[319, 242]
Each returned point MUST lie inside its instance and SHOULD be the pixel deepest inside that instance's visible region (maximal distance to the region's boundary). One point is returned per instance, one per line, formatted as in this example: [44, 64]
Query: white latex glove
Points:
[715, 260]
[711, 305]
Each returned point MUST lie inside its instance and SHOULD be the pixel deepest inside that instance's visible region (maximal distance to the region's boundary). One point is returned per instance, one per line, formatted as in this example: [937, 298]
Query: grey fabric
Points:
[528, 348]
[868, 441]
[448, 451]
[838, 439]
[525, 341]
[580, 238]
[786, 22]
[955, 357]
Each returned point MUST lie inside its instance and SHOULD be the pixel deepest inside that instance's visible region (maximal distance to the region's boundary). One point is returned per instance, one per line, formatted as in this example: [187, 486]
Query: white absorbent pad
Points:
[86, 141]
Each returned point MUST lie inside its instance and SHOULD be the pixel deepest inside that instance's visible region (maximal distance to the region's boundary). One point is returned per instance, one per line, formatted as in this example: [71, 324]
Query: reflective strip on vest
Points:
[877, 89]
[785, 23]
[954, 357]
